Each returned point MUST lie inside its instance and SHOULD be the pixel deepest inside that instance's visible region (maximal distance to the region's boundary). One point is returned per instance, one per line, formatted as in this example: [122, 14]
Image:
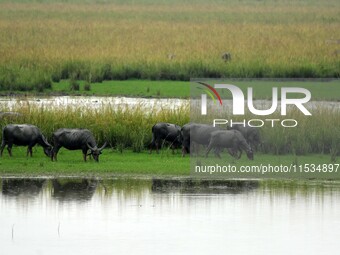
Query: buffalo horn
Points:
[104, 145]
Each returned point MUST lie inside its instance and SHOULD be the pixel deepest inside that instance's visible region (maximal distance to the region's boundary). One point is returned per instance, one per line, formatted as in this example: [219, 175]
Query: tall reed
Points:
[124, 127]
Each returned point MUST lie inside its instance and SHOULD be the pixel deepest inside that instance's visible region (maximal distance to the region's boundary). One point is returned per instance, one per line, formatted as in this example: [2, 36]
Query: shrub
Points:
[87, 86]
[74, 85]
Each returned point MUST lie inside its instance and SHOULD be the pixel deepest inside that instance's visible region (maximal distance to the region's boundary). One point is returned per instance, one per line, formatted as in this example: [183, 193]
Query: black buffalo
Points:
[165, 132]
[251, 134]
[233, 140]
[195, 134]
[23, 135]
[76, 139]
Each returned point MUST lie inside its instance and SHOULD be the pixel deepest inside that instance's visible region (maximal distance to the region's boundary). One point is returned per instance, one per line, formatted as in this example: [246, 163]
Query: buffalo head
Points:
[48, 151]
[250, 154]
[95, 152]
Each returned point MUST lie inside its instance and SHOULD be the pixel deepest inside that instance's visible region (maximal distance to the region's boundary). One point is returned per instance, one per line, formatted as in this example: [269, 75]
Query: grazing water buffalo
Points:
[185, 134]
[76, 139]
[233, 140]
[23, 135]
[195, 133]
[167, 132]
[251, 134]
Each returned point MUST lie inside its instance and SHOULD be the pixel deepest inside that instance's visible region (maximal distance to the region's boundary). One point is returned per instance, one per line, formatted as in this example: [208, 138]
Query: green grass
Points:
[262, 89]
[111, 163]
[70, 163]
[320, 90]
[132, 88]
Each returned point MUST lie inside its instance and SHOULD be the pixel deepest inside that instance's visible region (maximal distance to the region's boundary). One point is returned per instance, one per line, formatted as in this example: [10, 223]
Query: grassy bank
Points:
[326, 90]
[113, 162]
[122, 127]
[131, 88]
[44, 41]
[130, 128]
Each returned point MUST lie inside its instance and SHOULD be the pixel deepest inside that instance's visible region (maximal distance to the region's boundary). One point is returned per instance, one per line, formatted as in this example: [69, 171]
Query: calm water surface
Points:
[134, 216]
[13, 103]
[57, 102]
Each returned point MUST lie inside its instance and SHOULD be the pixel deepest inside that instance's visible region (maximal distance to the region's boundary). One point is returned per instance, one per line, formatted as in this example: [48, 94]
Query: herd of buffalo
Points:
[235, 139]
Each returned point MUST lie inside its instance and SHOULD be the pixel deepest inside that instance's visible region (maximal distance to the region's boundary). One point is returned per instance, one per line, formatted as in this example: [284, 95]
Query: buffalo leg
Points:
[234, 153]
[151, 145]
[217, 152]
[193, 149]
[54, 153]
[9, 148]
[157, 146]
[231, 152]
[208, 149]
[29, 151]
[239, 156]
[3, 144]
[172, 146]
[183, 151]
[84, 154]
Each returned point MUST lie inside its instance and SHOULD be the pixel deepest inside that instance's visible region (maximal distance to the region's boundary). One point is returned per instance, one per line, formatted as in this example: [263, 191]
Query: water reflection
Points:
[170, 216]
[24, 187]
[73, 189]
[196, 186]
[83, 189]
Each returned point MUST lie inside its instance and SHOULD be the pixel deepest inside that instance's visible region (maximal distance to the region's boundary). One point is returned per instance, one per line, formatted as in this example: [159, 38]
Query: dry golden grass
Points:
[290, 38]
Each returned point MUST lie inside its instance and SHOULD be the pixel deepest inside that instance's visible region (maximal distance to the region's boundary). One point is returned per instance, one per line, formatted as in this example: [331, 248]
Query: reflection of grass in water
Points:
[299, 188]
[125, 188]
[137, 188]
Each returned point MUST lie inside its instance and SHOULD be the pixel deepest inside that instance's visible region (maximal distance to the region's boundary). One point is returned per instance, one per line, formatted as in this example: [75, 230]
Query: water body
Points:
[135, 216]
[13, 103]
[90, 101]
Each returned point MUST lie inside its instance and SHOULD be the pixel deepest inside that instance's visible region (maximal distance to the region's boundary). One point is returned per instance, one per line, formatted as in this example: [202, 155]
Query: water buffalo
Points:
[233, 140]
[185, 135]
[23, 135]
[251, 134]
[166, 132]
[76, 139]
[193, 133]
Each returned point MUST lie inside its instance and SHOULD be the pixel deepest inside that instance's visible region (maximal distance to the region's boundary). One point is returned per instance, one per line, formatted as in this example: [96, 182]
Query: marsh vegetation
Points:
[45, 41]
